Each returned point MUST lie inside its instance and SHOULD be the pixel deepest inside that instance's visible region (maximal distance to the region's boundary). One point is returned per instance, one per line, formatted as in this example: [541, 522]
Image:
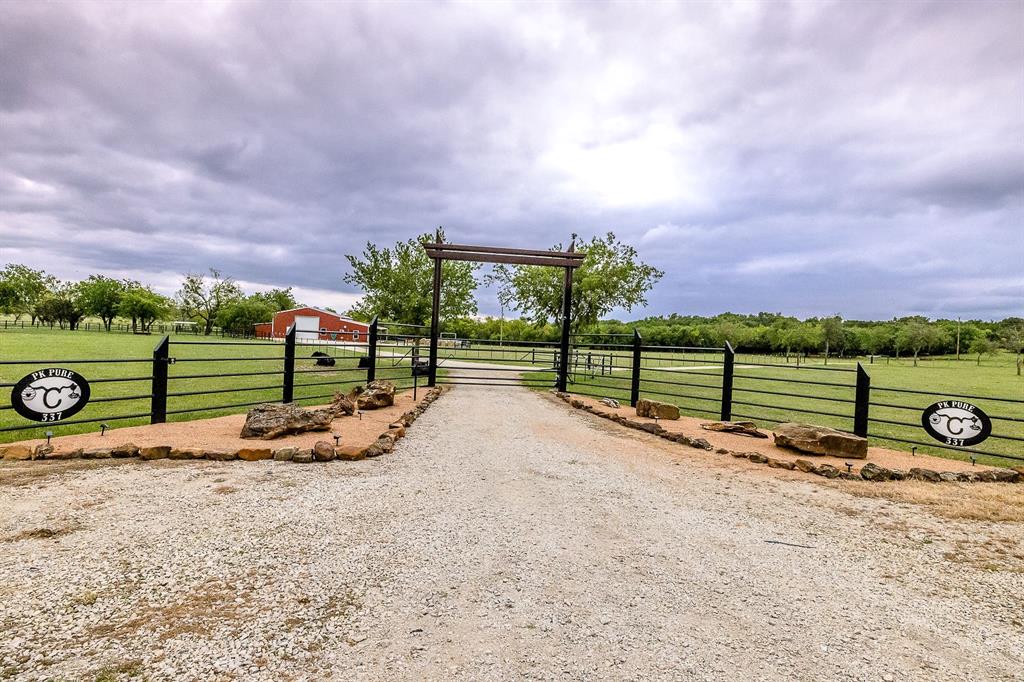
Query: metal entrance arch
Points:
[569, 260]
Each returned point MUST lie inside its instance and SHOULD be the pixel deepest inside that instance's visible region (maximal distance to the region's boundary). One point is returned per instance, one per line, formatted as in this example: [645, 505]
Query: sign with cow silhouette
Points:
[50, 395]
[957, 423]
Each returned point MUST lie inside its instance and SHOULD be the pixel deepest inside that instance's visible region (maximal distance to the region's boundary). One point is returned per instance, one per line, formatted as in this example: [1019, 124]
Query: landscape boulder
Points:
[323, 451]
[16, 451]
[285, 454]
[820, 440]
[254, 454]
[655, 409]
[155, 452]
[741, 428]
[873, 472]
[919, 474]
[828, 471]
[221, 455]
[375, 395]
[187, 453]
[805, 466]
[270, 421]
[342, 404]
[43, 451]
[1004, 475]
[304, 456]
[350, 452]
[610, 402]
[125, 450]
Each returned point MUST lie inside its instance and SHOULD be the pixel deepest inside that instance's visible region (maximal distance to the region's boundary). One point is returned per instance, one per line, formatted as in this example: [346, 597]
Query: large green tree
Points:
[916, 335]
[834, 335]
[62, 306]
[612, 276]
[143, 307]
[202, 297]
[22, 288]
[238, 317]
[101, 296]
[1013, 341]
[397, 283]
[276, 299]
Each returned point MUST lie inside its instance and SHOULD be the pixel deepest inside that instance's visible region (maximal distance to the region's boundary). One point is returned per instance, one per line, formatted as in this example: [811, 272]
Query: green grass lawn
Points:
[202, 369]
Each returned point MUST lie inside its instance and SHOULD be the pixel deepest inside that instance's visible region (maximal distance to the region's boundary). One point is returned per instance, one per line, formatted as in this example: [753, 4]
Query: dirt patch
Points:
[221, 433]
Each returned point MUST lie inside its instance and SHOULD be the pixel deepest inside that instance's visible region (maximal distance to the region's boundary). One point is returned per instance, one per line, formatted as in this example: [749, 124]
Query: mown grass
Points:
[198, 381]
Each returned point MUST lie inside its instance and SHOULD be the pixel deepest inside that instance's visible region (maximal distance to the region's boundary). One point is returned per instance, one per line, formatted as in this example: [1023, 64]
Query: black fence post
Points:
[729, 359]
[562, 382]
[158, 389]
[863, 403]
[289, 365]
[634, 390]
[371, 369]
[435, 324]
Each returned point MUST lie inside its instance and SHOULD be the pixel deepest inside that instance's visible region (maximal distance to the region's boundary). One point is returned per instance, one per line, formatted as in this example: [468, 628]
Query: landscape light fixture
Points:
[49, 435]
[913, 451]
[360, 413]
[103, 429]
[849, 468]
[337, 439]
[974, 460]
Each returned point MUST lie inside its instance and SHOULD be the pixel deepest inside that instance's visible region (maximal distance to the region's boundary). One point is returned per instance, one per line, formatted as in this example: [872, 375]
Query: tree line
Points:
[208, 300]
[396, 282]
[397, 285]
[774, 333]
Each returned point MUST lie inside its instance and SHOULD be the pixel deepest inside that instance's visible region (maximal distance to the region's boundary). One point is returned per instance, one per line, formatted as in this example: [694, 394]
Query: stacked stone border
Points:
[322, 451]
[868, 472]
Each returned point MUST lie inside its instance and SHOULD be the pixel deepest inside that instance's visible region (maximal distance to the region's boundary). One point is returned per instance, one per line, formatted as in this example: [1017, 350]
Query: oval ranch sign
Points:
[50, 395]
[955, 422]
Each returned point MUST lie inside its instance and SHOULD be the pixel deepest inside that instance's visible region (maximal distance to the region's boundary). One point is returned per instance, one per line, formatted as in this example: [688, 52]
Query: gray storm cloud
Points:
[811, 158]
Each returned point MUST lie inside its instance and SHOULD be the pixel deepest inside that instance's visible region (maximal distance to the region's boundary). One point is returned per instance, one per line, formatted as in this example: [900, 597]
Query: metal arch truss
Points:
[569, 260]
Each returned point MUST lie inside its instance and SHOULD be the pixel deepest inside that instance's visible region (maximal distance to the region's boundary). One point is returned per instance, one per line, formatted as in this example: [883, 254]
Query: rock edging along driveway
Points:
[868, 472]
[322, 451]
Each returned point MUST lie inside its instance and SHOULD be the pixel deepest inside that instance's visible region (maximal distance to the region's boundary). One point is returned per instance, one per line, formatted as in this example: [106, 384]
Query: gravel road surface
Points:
[507, 536]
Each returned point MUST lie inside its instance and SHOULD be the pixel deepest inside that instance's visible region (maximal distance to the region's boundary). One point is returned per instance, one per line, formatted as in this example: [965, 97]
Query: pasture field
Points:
[212, 378]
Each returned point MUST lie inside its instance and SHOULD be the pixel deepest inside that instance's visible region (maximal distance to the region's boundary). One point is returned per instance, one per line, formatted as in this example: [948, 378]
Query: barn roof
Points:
[319, 310]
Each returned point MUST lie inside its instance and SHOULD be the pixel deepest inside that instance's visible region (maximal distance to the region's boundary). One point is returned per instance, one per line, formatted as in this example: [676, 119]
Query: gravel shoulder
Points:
[507, 536]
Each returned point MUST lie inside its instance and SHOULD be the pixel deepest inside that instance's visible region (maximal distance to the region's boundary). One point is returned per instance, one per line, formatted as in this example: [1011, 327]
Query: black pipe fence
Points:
[717, 383]
[188, 377]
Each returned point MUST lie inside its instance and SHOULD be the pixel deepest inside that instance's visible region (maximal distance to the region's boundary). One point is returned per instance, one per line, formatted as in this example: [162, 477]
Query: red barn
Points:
[314, 324]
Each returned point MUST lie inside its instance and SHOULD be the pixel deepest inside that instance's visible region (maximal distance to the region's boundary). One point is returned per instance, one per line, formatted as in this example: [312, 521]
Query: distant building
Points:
[313, 324]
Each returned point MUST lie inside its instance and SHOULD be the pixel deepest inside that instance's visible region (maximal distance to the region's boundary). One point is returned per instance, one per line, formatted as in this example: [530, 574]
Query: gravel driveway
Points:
[506, 537]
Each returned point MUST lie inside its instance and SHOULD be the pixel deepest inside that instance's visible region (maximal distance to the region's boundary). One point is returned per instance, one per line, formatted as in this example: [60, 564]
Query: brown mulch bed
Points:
[221, 433]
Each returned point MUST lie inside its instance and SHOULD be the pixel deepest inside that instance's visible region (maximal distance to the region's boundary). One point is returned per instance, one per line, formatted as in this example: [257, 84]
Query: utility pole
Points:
[958, 338]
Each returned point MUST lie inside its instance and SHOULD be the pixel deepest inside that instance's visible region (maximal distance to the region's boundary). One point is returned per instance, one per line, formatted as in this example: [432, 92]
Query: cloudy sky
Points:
[858, 158]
